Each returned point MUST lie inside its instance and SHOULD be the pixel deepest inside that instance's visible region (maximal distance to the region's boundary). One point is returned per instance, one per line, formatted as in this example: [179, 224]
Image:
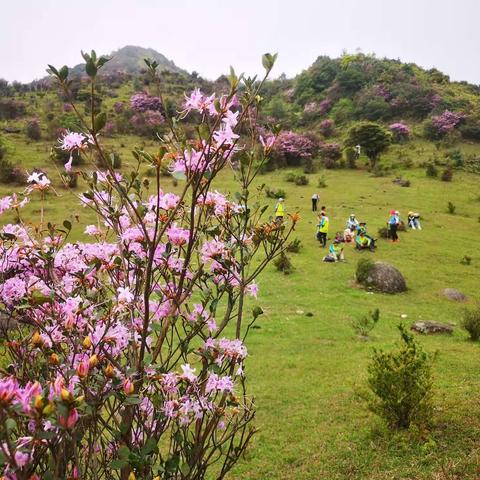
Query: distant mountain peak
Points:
[129, 59]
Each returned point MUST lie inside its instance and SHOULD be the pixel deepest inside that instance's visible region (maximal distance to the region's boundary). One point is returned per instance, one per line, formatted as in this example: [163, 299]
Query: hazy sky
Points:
[209, 35]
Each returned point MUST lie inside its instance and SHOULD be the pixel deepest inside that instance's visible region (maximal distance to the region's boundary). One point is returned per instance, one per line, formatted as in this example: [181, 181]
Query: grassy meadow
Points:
[306, 371]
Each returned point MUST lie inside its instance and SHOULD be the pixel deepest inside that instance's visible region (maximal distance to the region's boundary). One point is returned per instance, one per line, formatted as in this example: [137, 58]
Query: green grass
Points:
[305, 371]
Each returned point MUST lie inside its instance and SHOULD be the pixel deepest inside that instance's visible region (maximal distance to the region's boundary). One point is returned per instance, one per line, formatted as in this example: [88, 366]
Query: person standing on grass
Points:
[315, 199]
[393, 223]
[279, 210]
[322, 229]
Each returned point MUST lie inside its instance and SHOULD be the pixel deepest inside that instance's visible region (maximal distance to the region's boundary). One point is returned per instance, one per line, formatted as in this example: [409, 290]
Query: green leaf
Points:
[100, 121]
[90, 68]
[118, 463]
[268, 61]
[10, 423]
[52, 70]
[257, 311]
[63, 73]
[67, 224]
[133, 400]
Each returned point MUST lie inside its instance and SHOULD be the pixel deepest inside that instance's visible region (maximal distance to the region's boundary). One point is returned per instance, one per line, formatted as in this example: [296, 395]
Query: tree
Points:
[372, 137]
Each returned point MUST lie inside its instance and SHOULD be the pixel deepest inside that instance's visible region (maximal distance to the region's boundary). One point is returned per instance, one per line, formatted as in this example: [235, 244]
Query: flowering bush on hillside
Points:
[125, 355]
[326, 127]
[292, 148]
[330, 153]
[141, 102]
[400, 131]
[440, 126]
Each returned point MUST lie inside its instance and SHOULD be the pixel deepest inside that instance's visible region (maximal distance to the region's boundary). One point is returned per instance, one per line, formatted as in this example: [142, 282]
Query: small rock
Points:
[454, 294]
[431, 326]
[299, 312]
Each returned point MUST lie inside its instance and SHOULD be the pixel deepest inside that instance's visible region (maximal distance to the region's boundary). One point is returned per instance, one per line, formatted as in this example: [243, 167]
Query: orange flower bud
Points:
[39, 403]
[66, 395]
[87, 342]
[37, 340]
[53, 359]
[82, 369]
[132, 476]
[128, 386]
[93, 361]
[109, 371]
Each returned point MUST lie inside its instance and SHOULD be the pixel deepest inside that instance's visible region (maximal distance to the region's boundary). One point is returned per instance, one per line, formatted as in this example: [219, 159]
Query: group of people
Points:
[355, 232]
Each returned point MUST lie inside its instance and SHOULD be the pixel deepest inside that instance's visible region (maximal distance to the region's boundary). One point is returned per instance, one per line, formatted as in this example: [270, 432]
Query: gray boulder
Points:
[430, 326]
[380, 276]
[454, 294]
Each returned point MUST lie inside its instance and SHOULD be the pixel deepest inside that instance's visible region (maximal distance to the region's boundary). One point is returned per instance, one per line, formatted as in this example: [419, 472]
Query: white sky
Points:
[209, 35]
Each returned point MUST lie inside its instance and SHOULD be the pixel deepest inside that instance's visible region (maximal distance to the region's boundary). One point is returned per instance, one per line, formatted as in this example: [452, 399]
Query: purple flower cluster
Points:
[325, 106]
[381, 91]
[447, 121]
[291, 145]
[141, 102]
[400, 130]
[326, 127]
[118, 107]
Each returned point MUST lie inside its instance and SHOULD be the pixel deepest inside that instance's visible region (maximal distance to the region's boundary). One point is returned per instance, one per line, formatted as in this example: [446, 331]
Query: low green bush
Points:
[364, 266]
[471, 322]
[401, 383]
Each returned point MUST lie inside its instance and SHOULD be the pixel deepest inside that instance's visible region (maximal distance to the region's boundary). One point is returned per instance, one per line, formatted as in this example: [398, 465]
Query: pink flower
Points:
[8, 390]
[252, 289]
[13, 290]
[212, 250]
[73, 141]
[225, 136]
[70, 421]
[92, 230]
[188, 373]
[178, 236]
[124, 295]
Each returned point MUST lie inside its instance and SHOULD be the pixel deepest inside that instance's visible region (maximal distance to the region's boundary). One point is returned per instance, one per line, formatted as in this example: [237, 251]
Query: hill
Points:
[129, 59]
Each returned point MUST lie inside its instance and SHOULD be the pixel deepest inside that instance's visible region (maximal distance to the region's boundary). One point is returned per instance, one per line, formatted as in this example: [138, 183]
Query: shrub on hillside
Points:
[431, 170]
[283, 264]
[447, 175]
[147, 123]
[11, 109]
[141, 102]
[301, 180]
[363, 325]
[400, 131]
[327, 127]
[350, 157]
[292, 148]
[275, 192]
[372, 137]
[471, 322]
[309, 165]
[322, 182]
[33, 130]
[451, 208]
[362, 272]
[401, 383]
[294, 246]
[330, 153]
[440, 126]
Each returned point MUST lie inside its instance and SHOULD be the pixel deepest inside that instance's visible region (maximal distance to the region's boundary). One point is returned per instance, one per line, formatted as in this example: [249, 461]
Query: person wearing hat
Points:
[279, 210]
[393, 223]
[414, 221]
[322, 229]
[352, 223]
[335, 252]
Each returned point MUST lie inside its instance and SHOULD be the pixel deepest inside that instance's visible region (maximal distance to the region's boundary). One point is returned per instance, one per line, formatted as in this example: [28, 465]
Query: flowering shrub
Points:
[326, 127]
[400, 131]
[33, 130]
[441, 125]
[330, 153]
[141, 102]
[291, 148]
[118, 107]
[119, 364]
[146, 123]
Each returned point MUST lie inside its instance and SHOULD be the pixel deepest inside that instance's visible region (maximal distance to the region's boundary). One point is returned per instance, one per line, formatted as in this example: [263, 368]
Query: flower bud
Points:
[39, 403]
[82, 369]
[49, 409]
[66, 395]
[87, 342]
[109, 371]
[128, 386]
[132, 476]
[37, 340]
[53, 359]
[93, 361]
